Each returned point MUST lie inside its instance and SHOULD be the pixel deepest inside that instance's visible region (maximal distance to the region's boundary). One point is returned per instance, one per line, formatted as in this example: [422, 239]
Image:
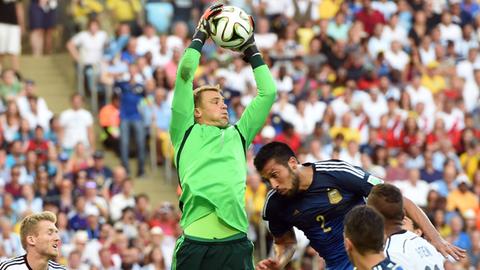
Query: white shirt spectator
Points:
[423, 95]
[376, 45]
[427, 55]
[465, 70]
[117, 203]
[24, 106]
[450, 32]
[340, 107]
[416, 193]
[285, 84]
[471, 94]
[274, 7]
[90, 46]
[398, 33]
[397, 60]
[387, 8]
[265, 41]
[453, 120]
[374, 109]
[12, 245]
[75, 124]
[148, 44]
[315, 110]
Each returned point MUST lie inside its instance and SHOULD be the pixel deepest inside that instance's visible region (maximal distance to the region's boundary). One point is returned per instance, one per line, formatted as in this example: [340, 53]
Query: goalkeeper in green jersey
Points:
[211, 161]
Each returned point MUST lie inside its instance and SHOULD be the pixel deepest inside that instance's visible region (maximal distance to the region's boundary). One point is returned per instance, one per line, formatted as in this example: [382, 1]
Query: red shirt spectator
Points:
[369, 17]
[290, 137]
[39, 145]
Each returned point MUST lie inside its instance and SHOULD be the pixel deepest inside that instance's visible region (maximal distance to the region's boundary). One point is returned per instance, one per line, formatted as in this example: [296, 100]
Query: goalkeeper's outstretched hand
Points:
[249, 48]
[203, 30]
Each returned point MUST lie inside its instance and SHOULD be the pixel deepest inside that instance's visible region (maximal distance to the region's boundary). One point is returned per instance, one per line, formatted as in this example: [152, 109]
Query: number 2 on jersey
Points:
[321, 220]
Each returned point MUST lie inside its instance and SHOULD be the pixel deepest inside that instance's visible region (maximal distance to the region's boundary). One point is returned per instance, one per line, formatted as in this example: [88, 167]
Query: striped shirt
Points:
[21, 263]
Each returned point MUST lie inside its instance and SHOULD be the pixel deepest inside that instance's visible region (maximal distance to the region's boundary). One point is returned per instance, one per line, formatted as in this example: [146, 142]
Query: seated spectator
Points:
[447, 184]
[39, 145]
[428, 172]
[461, 199]
[9, 240]
[10, 85]
[398, 170]
[35, 117]
[80, 159]
[28, 203]
[414, 188]
[10, 121]
[121, 200]
[99, 172]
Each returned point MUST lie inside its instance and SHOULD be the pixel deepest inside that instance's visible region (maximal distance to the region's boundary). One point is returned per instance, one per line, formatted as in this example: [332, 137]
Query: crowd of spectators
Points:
[391, 86]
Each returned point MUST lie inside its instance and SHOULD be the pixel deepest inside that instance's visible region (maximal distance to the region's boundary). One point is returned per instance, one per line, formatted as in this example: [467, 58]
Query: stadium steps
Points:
[55, 79]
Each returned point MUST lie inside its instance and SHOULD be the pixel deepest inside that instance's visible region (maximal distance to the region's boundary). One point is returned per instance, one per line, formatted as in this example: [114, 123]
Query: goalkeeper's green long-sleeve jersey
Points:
[212, 164]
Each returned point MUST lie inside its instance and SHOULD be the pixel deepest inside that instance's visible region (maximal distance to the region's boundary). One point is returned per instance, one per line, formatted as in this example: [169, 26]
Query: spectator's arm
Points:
[20, 16]
[72, 49]
[91, 137]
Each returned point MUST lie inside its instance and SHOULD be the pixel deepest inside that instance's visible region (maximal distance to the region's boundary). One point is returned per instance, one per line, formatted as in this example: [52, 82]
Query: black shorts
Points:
[192, 254]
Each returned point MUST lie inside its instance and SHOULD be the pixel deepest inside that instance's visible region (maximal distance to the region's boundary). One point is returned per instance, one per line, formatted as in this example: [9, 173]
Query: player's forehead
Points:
[46, 226]
[211, 95]
[271, 166]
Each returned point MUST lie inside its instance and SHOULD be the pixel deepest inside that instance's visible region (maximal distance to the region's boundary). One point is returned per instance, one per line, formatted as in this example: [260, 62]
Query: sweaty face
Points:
[282, 178]
[212, 109]
[47, 240]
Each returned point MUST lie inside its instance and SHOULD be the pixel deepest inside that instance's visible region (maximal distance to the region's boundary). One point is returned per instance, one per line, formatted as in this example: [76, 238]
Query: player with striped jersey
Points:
[402, 246]
[41, 241]
[315, 197]
[363, 233]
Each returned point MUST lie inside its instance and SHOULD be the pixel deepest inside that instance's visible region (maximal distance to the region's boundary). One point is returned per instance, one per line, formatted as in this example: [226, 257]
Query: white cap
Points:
[268, 132]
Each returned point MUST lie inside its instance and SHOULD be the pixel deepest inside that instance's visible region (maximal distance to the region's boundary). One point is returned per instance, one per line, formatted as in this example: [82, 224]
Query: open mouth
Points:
[55, 246]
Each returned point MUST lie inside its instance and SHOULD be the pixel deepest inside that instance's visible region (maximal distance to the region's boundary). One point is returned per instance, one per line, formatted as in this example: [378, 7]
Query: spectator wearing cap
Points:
[93, 224]
[431, 79]
[121, 200]
[77, 126]
[99, 172]
[461, 199]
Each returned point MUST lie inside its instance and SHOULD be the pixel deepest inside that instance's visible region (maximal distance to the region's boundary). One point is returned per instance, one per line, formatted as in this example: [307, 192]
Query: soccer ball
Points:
[231, 27]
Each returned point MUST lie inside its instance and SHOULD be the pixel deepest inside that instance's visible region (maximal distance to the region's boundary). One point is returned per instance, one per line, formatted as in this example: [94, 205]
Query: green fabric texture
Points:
[210, 227]
[212, 167]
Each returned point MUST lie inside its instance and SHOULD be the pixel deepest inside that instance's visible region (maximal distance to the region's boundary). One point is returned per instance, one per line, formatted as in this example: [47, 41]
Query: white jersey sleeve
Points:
[413, 252]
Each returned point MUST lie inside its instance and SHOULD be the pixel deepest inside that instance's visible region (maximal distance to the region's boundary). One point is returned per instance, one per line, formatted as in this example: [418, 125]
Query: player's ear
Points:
[348, 244]
[293, 162]
[31, 240]
[197, 113]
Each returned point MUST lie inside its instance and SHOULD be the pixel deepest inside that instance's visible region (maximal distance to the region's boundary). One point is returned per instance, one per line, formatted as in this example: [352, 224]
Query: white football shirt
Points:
[413, 252]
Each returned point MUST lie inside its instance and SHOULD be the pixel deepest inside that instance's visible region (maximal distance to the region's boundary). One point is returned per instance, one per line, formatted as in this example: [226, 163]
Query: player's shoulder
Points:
[12, 263]
[336, 165]
[55, 265]
[273, 202]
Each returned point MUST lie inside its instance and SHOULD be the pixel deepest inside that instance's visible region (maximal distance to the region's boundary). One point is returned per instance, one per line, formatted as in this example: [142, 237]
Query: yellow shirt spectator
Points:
[470, 163]
[435, 83]
[347, 132]
[255, 198]
[124, 10]
[82, 9]
[462, 199]
[328, 8]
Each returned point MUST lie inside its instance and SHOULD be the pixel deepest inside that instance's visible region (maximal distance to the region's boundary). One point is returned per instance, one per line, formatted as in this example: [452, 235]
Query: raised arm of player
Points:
[284, 247]
[183, 106]
[254, 116]
[432, 235]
